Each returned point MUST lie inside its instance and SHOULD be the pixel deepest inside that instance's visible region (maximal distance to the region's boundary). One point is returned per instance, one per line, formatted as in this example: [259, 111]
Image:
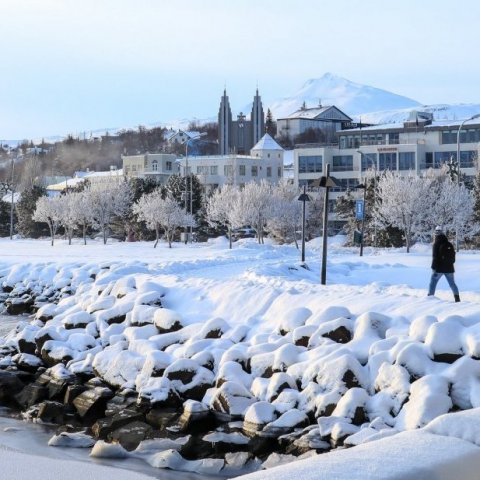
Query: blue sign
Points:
[359, 209]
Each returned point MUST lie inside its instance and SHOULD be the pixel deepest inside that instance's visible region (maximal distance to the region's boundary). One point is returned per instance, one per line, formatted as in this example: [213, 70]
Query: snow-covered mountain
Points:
[352, 98]
[365, 103]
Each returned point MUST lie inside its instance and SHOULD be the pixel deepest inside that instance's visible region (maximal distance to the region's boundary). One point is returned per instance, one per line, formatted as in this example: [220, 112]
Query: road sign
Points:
[359, 209]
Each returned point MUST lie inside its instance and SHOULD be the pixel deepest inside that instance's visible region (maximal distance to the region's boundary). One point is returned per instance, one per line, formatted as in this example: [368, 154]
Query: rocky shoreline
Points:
[105, 359]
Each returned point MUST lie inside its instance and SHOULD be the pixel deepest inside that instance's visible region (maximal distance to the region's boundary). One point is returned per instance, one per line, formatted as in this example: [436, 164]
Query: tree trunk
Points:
[156, 237]
[230, 236]
[52, 235]
[84, 233]
[104, 235]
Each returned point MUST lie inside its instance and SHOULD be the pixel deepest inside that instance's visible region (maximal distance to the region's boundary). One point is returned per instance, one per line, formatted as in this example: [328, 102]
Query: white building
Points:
[158, 166]
[329, 119]
[416, 145]
[96, 180]
[265, 162]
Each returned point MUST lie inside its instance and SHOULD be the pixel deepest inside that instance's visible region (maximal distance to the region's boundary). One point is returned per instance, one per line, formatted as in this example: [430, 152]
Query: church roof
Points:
[267, 143]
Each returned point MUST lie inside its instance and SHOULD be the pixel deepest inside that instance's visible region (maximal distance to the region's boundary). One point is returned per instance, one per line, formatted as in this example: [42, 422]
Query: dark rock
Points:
[174, 327]
[360, 417]
[130, 435]
[105, 426]
[25, 346]
[196, 422]
[72, 392]
[185, 376]
[350, 379]
[120, 402]
[52, 361]
[117, 319]
[161, 418]
[302, 341]
[339, 335]
[19, 306]
[216, 333]
[51, 412]
[91, 404]
[10, 385]
[7, 288]
[31, 394]
[447, 357]
[27, 362]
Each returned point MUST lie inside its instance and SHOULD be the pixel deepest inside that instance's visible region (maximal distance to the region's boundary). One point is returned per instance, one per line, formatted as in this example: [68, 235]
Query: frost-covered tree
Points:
[48, 210]
[286, 212]
[108, 203]
[403, 202]
[162, 213]
[75, 211]
[221, 208]
[254, 207]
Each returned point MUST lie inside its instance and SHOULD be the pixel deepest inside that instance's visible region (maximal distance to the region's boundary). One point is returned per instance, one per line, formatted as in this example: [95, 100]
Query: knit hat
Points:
[438, 230]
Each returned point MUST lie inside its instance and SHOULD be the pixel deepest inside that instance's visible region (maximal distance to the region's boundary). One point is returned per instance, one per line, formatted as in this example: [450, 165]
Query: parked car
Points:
[243, 233]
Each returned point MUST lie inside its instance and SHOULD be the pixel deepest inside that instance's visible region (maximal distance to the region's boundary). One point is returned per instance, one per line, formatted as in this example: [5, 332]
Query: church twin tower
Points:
[239, 136]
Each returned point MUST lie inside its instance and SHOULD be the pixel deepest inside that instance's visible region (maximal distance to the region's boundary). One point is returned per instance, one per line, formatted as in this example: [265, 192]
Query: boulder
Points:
[91, 404]
[131, 434]
[51, 412]
[105, 426]
[10, 385]
[31, 394]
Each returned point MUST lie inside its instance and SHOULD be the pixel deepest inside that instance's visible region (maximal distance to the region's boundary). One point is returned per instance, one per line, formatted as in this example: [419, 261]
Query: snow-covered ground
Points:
[262, 288]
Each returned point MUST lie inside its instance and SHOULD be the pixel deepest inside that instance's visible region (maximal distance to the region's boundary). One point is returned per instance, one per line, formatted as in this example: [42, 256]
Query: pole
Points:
[303, 224]
[325, 231]
[363, 219]
[186, 188]
[11, 204]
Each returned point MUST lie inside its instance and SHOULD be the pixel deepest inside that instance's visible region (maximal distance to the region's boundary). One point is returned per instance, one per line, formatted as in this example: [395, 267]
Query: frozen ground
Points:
[254, 286]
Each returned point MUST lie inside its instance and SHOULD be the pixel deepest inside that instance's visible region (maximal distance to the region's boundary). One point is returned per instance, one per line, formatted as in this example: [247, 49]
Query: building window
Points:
[134, 168]
[268, 155]
[393, 138]
[467, 158]
[214, 170]
[202, 170]
[269, 171]
[310, 164]
[387, 161]
[406, 161]
[242, 170]
[168, 166]
[154, 166]
[279, 172]
[228, 170]
[254, 171]
[369, 160]
[342, 163]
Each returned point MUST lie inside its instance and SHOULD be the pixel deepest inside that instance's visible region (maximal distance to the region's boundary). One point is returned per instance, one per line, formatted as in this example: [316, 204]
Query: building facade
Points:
[240, 135]
[158, 166]
[417, 145]
[328, 119]
[265, 162]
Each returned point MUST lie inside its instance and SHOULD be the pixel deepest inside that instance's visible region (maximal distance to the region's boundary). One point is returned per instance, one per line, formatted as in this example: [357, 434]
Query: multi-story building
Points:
[328, 119]
[416, 145]
[158, 166]
[265, 162]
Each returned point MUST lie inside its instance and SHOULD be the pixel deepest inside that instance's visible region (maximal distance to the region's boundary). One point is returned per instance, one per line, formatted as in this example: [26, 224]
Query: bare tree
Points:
[48, 210]
[162, 213]
[221, 208]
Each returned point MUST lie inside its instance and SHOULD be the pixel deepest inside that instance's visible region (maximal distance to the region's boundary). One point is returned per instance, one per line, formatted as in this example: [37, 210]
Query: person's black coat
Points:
[442, 262]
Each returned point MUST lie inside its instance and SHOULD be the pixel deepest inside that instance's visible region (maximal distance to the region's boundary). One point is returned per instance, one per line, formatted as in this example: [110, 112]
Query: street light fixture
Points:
[473, 117]
[303, 198]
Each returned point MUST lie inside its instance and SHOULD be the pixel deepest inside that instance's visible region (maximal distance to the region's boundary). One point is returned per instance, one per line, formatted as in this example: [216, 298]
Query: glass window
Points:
[394, 138]
[310, 163]
[242, 170]
[168, 165]
[213, 169]
[369, 160]
[154, 165]
[387, 161]
[279, 172]
[269, 171]
[342, 163]
[254, 171]
[406, 161]
[228, 170]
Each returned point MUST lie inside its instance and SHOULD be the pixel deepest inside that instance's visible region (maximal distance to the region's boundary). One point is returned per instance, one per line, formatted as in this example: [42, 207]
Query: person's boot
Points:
[457, 298]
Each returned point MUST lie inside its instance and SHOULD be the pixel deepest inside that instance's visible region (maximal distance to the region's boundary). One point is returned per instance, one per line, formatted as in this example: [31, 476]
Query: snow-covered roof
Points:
[267, 143]
[318, 113]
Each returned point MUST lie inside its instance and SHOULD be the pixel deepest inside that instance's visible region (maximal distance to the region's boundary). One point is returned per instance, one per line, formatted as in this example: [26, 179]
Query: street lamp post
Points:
[362, 226]
[374, 165]
[473, 117]
[12, 199]
[303, 198]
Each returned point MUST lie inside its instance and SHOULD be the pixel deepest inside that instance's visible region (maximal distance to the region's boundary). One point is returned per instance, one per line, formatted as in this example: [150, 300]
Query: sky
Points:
[73, 67]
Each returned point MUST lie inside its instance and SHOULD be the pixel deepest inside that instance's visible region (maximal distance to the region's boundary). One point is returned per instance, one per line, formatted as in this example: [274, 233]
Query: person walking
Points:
[443, 258]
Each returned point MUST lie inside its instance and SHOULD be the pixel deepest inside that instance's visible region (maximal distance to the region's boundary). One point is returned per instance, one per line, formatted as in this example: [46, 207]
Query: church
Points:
[240, 135]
